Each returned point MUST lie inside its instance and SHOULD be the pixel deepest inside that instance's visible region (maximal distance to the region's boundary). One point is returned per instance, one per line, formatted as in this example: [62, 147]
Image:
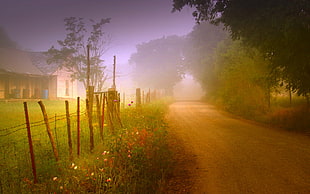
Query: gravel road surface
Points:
[218, 153]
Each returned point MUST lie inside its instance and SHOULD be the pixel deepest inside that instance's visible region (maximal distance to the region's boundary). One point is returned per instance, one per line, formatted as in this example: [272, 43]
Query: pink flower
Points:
[129, 104]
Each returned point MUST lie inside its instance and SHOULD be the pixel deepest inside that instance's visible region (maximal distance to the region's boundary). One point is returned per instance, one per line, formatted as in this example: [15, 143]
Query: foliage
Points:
[72, 53]
[241, 79]
[278, 28]
[200, 46]
[159, 63]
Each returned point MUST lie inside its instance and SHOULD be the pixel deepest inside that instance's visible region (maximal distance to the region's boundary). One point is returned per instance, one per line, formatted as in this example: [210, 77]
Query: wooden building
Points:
[27, 75]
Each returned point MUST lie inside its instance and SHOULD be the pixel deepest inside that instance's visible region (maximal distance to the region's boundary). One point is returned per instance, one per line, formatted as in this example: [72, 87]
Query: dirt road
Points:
[216, 153]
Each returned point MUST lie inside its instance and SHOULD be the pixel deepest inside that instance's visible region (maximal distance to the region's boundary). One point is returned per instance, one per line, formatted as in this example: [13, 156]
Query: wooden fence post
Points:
[90, 123]
[49, 131]
[143, 98]
[69, 130]
[118, 103]
[138, 97]
[78, 126]
[124, 99]
[89, 107]
[99, 116]
[33, 164]
[103, 109]
[55, 129]
[90, 98]
[110, 107]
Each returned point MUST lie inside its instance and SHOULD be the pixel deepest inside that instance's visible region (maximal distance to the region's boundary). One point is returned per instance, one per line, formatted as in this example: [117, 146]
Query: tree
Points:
[159, 63]
[5, 41]
[72, 53]
[240, 79]
[199, 51]
[278, 28]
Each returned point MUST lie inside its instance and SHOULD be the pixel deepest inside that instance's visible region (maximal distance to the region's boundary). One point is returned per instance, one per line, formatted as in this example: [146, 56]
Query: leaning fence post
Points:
[49, 131]
[55, 129]
[78, 126]
[69, 130]
[33, 164]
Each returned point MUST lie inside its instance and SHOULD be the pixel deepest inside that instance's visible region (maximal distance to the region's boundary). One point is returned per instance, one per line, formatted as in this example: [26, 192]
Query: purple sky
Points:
[37, 24]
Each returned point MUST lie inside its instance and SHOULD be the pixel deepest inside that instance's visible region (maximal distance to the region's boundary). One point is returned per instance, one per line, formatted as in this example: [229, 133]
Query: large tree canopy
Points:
[278, 28]
[199, 50]
[158, 63]
[72, 53]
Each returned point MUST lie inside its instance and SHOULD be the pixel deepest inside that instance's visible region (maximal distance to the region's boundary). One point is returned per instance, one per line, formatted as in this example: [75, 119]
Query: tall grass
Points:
[292, 115]
[132, 159]
[14, 148]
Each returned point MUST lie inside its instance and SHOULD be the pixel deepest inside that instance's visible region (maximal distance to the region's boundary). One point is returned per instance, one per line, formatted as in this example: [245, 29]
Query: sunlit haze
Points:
[188, 89]
[36, 25]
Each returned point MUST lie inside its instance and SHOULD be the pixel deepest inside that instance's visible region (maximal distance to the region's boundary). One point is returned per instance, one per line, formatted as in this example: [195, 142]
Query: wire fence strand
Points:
[13, 129]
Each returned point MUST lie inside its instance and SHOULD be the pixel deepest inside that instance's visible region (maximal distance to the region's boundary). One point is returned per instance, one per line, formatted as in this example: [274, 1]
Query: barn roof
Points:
[24, 62]
[39, 59]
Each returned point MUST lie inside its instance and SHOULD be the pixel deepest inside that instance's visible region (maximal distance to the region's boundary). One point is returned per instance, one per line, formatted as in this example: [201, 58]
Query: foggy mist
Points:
[36, 25]
[188, 89]
[126, 96]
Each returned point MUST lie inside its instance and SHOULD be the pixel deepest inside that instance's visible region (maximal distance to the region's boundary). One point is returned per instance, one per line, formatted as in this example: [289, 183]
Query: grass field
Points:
[133, 159]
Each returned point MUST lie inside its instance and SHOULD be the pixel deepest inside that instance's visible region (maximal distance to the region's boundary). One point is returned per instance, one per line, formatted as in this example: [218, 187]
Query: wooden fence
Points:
[102, 109]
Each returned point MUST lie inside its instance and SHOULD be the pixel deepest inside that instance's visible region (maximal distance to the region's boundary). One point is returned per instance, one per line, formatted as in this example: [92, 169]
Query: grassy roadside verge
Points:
[293, 116]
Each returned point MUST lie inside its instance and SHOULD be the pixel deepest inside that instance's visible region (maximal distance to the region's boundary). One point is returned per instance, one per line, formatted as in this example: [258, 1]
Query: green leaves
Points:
[243, 83]
[280, 27]
[72, 52]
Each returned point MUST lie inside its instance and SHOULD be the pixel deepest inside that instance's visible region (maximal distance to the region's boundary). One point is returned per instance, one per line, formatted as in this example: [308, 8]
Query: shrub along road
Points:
[217, 153]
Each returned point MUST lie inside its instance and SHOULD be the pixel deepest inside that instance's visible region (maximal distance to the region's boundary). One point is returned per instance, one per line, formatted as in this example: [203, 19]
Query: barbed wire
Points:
[2, 135]
[12, 127]
[51, 120]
